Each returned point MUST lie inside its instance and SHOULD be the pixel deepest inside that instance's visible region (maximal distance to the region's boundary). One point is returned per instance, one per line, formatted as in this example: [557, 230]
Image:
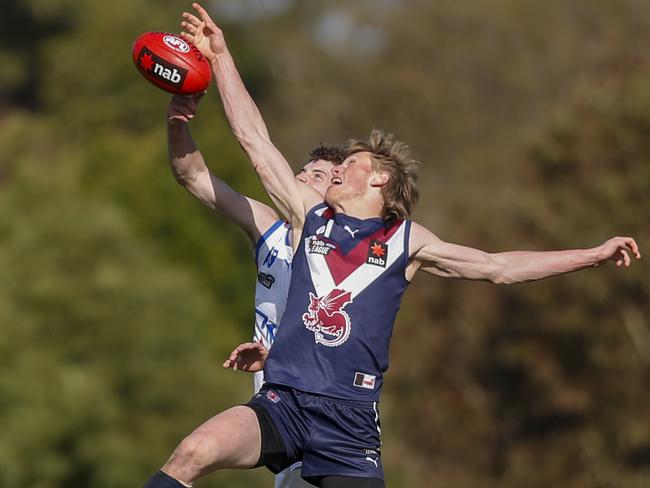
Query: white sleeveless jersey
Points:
[273, 256]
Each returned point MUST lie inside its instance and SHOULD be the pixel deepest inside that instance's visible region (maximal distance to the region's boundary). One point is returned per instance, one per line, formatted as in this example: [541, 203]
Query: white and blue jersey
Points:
[348, 280]
[273, 256]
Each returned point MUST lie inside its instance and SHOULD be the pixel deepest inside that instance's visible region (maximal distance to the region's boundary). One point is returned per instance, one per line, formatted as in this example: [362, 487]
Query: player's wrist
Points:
[221, 60]
[596, 255]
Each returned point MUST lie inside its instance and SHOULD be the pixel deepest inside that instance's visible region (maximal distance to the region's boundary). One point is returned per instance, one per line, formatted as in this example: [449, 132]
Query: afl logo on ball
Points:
[177, 44]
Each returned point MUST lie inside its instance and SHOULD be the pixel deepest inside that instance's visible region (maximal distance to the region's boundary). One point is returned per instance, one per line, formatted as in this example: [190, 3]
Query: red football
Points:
[171, 63]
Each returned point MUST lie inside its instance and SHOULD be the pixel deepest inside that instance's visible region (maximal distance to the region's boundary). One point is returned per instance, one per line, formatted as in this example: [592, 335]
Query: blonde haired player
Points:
[357, 253]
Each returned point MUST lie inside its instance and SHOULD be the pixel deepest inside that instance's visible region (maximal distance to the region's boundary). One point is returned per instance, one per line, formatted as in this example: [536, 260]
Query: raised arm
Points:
[190, 170]
[292, 197]
[434, 256]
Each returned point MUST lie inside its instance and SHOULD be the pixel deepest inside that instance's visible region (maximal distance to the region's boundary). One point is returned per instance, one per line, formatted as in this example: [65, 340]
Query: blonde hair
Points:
[392, 157]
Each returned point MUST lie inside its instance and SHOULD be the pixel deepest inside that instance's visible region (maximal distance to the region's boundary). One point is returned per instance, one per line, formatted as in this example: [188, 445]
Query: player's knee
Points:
[190, 457]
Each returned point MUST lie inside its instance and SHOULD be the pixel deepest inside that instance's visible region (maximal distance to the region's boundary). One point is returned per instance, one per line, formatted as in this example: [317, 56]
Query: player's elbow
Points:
[503, 279]
[251, 139]
[264, 171]
[506, 277]
[499, 273]
[183, 176]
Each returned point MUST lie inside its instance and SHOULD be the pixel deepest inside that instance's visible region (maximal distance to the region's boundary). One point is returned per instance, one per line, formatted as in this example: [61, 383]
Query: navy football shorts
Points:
[331, 436]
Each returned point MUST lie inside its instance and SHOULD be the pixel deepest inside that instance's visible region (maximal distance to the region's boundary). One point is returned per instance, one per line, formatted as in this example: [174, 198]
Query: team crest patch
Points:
[326, 318]
[377, 253]
[272, 396]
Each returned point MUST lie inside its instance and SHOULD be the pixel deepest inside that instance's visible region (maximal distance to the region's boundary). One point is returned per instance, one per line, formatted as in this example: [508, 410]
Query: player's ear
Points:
[379, 178]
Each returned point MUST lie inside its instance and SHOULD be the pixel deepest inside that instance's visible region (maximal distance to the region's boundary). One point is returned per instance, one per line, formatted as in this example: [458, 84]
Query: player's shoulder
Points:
[418, 232]
[420, 236]
[279, 230]
[275, 241]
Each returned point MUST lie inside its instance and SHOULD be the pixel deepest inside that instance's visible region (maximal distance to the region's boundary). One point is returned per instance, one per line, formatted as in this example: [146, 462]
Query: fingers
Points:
[192, 29]
[202, 13]
[192, 19]
[632, 246]
[235, 358]
[188, 37]
[228, 363]
[235, 352]
[192, 26]
[625, 248]
[178, 118]
[231, 362]
[622, 258]
[626, 245]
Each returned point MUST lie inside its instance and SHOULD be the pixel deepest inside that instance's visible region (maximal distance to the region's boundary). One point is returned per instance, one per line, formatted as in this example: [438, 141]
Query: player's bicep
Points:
[199, 184]
[437, 257]
[249, 214]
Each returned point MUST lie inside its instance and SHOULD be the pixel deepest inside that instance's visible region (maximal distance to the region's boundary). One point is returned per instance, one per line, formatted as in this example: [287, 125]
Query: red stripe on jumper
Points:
[341, 266]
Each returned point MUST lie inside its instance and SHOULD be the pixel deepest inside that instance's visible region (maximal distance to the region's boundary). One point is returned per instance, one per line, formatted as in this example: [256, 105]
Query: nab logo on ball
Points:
[161, 69]
[177, 44]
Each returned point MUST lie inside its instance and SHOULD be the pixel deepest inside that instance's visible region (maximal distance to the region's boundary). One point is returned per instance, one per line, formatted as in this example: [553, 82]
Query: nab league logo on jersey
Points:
[326, 318]
[319, 246]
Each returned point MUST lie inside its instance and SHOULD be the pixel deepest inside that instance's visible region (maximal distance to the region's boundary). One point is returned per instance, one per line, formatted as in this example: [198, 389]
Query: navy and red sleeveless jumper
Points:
[347, 284]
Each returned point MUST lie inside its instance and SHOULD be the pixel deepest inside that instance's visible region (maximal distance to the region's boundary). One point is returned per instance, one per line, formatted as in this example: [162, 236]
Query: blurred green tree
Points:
[119, 291]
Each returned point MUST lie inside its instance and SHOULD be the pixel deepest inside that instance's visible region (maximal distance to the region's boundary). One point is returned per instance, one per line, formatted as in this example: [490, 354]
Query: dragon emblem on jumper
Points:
[326, 318]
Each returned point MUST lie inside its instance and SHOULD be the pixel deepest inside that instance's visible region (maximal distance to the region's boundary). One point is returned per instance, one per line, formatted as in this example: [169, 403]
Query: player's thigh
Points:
[230, 439]
[233, 437]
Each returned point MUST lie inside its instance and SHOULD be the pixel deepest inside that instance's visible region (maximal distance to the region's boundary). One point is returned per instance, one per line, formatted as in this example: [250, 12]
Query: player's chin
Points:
[332, 194]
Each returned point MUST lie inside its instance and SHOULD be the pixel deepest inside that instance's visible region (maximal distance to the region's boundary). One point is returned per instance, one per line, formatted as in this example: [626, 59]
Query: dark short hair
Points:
[334, 154]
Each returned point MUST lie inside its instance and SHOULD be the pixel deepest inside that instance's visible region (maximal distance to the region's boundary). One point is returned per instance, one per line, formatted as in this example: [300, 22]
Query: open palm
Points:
[203, 33]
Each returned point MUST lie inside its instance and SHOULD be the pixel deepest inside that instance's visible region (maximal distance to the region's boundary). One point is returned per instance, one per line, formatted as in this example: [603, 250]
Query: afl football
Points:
[171, 63]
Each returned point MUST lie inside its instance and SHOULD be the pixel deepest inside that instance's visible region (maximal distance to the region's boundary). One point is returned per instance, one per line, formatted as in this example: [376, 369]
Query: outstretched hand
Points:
[618, 249]
[182, 108]
[249, 356]
[203, 33]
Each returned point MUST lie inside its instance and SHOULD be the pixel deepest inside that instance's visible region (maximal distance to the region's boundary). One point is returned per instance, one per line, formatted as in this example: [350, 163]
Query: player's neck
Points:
[361, 208]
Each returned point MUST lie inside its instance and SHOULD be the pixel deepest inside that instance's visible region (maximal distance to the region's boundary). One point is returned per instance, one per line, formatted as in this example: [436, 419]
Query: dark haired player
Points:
[270, 236]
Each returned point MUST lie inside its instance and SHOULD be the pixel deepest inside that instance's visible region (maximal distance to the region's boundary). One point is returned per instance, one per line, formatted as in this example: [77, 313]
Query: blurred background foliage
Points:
[121, 295]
